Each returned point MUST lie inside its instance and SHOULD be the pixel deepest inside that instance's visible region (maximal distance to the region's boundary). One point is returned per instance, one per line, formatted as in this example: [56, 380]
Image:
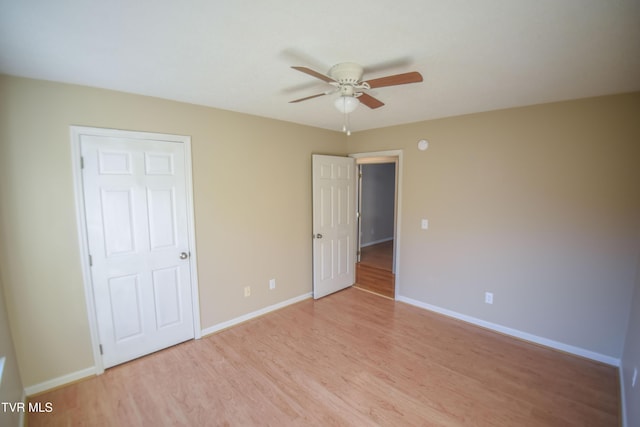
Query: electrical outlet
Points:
[488, 297]
[272, 284]
[634, 378]
[247, 291]
[424, 224]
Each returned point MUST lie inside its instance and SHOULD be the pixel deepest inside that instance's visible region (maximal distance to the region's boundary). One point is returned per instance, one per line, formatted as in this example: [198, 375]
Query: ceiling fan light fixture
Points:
[347, 104]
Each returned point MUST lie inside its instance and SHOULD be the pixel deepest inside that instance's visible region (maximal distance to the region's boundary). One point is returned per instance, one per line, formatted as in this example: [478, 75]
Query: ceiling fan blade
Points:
[315, 74]
[370, 101]
[397, 79]
[307, 97]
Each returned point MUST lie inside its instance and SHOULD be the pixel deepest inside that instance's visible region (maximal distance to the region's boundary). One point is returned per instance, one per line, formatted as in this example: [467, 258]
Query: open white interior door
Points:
[334, 224]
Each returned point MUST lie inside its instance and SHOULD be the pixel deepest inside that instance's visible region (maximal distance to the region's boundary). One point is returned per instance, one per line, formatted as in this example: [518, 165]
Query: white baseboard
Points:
[87, 372]
[257, 313]
[60, 381]
[578, 351]
[375, 242]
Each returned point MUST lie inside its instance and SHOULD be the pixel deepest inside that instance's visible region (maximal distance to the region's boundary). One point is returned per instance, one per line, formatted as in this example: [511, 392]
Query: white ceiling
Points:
[236, 54]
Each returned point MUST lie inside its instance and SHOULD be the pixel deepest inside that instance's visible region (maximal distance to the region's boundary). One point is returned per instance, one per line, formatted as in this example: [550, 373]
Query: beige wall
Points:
[11, 388]
[539, 205]
[252, 180]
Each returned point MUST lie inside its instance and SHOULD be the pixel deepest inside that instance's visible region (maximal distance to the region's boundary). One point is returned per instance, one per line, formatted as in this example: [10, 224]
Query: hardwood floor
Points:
[374, 272]
[379, 255]
[351, 358]
[376, 280]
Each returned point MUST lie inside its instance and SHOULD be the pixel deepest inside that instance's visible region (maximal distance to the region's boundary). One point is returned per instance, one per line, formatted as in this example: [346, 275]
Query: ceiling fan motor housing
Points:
[348, 73]
[347, 90]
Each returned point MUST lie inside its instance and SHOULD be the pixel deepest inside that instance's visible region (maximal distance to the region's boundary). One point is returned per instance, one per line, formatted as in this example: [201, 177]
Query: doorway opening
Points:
[377, 224]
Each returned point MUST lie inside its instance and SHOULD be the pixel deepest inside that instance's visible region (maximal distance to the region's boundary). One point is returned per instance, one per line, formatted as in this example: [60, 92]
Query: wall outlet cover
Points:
[488, 297]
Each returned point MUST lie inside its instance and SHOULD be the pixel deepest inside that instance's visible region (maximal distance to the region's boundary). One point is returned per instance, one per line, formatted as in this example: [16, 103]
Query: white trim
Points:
[76, 133]
[87, 372]
[195, 288]
[254, 314]
[60, 381]
[381, 157]
[21, 418]
[623, 400]
[578, 351]
[375, 242]
[76, 168]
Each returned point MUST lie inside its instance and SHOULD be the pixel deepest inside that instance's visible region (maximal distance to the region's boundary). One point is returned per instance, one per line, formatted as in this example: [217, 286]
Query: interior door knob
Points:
[184, 255]
[318, 236]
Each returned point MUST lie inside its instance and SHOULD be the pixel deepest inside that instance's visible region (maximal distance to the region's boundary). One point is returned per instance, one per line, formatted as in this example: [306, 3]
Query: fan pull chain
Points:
[346, 125]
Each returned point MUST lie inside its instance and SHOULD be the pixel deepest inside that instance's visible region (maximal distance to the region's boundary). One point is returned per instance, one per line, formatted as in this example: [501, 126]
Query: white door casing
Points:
[386, 157]
[334, 224]
[138, 237]
[358, 212]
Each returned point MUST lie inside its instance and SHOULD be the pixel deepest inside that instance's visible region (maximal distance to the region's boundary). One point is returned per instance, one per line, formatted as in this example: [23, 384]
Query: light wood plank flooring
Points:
[351, 358]
[379, 255]
[374, 272]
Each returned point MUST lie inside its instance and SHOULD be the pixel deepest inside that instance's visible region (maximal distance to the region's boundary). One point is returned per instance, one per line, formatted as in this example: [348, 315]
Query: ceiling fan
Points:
[346, 78]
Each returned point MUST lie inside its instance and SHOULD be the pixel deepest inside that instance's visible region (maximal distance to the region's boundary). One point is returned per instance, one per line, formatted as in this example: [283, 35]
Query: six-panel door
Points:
[136, 213]
[334, 224]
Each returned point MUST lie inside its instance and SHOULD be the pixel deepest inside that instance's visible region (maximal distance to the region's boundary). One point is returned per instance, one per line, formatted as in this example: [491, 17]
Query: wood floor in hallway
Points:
[352, 359]
[374, 272]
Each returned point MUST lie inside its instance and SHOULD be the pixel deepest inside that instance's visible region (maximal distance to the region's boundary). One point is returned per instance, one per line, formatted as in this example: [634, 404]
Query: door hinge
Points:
[81, 162]
[101, 353]
[90, 261]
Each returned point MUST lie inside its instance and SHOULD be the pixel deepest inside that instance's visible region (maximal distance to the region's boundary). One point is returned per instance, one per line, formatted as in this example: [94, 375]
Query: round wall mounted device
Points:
[423, 144]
